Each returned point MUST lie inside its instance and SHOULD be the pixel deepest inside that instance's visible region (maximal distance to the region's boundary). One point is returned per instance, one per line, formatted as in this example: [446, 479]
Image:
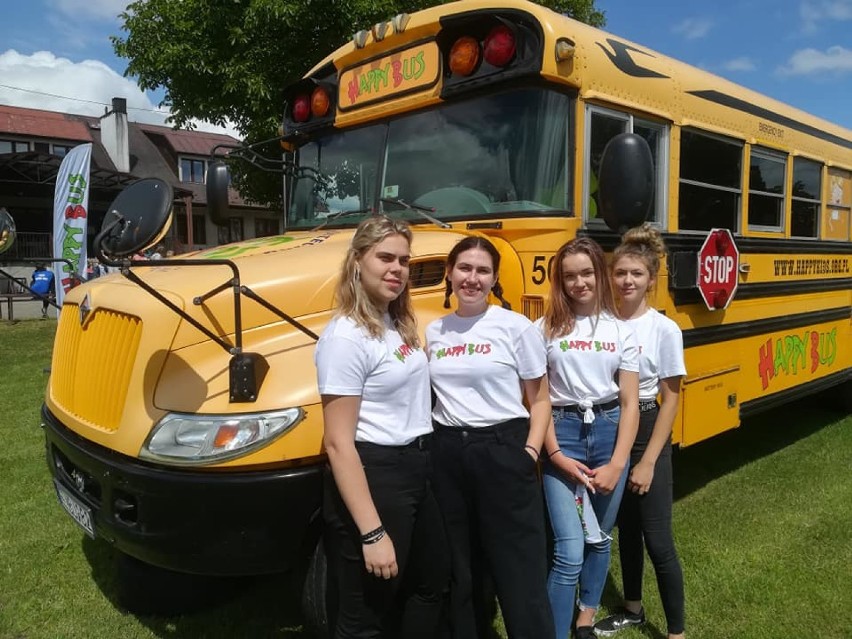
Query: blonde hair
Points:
[559, 316]
[645, 243]
[354, 302]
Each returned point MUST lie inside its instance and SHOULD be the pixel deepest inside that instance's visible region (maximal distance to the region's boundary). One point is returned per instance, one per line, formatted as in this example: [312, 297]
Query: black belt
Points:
[421, 442]
[575, 408]
[647, 405]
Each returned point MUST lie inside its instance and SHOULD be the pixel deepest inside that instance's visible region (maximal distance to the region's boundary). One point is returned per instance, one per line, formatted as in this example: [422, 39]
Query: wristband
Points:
[549, 455]
[532, 448]
[373, 536]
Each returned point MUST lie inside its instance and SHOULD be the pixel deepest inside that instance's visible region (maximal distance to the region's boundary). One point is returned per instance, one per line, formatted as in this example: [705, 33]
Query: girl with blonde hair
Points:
[383, 530]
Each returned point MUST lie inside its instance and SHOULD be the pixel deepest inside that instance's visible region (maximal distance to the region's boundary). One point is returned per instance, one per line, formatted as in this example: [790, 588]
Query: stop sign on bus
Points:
[718, 269]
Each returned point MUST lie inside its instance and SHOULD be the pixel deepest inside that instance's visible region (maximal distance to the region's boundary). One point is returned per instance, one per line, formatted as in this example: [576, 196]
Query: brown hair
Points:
[559, 316]
[644, 243]
[475, 242]
[353, 301]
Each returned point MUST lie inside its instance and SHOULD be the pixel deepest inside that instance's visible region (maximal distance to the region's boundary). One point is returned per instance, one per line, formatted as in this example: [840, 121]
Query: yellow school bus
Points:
[182, 418]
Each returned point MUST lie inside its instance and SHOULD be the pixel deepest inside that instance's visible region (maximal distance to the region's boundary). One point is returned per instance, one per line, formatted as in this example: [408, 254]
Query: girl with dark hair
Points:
[592, 364]
[645, 517]
[484, 360]
[384, 536]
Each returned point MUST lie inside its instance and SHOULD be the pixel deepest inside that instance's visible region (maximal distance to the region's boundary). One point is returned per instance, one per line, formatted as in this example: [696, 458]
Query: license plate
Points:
[79, 512]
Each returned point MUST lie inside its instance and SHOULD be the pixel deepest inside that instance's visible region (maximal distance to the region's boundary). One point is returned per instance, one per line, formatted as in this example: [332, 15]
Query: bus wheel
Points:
[314, 592]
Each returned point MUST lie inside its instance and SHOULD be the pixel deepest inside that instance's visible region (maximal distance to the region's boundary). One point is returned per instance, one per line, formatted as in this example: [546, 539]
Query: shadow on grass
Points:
[757, 437]
[209, 607]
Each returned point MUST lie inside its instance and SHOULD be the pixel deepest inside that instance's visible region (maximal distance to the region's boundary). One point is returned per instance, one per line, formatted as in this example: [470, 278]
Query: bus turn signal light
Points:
[319, 102]
[500, 46]
[302, 109]
[464, 56]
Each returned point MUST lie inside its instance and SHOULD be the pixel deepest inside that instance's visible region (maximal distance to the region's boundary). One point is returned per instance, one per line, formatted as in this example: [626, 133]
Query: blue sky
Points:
[797, 51]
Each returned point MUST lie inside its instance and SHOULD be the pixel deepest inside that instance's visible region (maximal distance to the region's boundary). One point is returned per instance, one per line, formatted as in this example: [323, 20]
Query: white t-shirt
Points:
[582, 365]
[477, 363]
[391, 378]
[660, 351]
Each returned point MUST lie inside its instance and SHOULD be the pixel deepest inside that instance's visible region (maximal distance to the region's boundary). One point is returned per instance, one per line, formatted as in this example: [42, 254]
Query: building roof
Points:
[190, 142]
[153, 150]
[43, 124]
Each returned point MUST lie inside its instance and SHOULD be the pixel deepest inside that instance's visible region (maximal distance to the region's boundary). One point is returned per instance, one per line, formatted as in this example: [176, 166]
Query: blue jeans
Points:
[574, 560]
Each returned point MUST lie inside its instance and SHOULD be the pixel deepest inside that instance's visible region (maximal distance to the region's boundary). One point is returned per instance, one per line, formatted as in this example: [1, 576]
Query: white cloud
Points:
[44, 81]
[740, 64]
[813, 12]
[693, 28]
[834, 60]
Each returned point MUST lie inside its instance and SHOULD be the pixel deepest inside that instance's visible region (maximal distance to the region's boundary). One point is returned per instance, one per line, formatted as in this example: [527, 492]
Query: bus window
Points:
[836, 224]
[493, 155]
[806, 198]
[710, 182]
[603, 125]
[337, 174]
[767, 179]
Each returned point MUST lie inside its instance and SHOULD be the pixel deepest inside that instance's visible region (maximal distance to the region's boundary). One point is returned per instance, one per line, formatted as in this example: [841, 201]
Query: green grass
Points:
[762, 517]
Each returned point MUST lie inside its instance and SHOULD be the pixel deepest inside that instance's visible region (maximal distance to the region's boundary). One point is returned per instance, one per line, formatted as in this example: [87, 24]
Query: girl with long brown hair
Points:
[592, 366]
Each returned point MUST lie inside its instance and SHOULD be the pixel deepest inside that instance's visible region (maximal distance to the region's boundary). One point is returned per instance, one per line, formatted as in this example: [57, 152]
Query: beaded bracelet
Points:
[373, 536]
[532, 448]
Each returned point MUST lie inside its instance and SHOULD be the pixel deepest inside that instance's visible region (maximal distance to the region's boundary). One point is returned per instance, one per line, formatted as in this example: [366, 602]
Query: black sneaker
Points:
[619, 621]
[584, 632]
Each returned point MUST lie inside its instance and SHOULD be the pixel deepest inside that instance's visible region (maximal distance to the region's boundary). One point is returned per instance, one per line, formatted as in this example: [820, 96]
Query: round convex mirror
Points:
[136, 219]
[7, 230]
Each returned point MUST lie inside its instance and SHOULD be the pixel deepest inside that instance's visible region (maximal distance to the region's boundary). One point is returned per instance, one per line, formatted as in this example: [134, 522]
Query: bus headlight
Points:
[201, 439]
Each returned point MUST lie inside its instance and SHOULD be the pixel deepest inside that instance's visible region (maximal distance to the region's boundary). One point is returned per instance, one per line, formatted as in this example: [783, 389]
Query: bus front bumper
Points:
[187, 520]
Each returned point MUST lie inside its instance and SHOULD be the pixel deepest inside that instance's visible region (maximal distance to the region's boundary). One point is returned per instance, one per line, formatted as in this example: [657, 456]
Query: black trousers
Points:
[646, 522]
[488, 490]
[411, 605]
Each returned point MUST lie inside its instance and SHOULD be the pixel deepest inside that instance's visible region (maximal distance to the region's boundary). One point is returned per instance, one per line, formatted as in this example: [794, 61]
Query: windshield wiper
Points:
[420, 210]
[334, 216]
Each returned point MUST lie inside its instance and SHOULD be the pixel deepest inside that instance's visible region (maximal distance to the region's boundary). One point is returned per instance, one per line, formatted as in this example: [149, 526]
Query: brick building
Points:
[33, 143]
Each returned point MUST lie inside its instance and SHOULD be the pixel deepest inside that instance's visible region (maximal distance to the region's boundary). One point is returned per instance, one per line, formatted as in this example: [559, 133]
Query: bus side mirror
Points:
[625, 182]
[218, 179]
[139, 217]
[7, 231]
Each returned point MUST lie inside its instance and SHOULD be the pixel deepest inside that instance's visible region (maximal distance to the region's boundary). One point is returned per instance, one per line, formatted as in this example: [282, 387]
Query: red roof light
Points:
[302, 109]
[500, 46]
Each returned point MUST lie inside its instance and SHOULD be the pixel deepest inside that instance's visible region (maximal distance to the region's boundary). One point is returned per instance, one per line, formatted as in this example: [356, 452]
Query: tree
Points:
[221, 60]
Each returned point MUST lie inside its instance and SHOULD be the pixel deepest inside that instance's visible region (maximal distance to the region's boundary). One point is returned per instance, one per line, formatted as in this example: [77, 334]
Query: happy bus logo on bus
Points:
[718, 269]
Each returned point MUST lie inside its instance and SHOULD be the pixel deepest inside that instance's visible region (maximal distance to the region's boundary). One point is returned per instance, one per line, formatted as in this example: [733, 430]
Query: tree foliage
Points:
[230, 60]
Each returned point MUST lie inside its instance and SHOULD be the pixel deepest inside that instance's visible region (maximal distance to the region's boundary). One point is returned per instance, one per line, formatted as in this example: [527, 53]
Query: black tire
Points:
[314, 593]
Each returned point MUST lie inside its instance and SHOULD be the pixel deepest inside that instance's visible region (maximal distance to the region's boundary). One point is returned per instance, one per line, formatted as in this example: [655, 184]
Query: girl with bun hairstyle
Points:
[645, 517]
[484, 361]
[384, 536]
[593, 368]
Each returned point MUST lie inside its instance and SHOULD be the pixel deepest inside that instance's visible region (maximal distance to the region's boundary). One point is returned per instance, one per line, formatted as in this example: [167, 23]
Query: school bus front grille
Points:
[92, 364]
[533, 306]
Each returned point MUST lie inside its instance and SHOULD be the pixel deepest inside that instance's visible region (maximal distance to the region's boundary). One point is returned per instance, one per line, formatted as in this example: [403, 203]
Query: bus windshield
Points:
[493, 156]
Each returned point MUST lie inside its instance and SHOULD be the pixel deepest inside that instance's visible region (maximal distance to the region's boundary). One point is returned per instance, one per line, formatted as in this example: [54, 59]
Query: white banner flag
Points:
[70, 214]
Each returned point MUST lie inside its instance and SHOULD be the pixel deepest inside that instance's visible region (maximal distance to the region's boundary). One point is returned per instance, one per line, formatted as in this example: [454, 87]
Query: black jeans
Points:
[411, 604]
[646, 521]
[488, 490]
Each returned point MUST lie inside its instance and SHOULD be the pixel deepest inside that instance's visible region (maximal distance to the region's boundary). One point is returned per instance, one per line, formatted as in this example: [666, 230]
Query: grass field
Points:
[762, 521]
